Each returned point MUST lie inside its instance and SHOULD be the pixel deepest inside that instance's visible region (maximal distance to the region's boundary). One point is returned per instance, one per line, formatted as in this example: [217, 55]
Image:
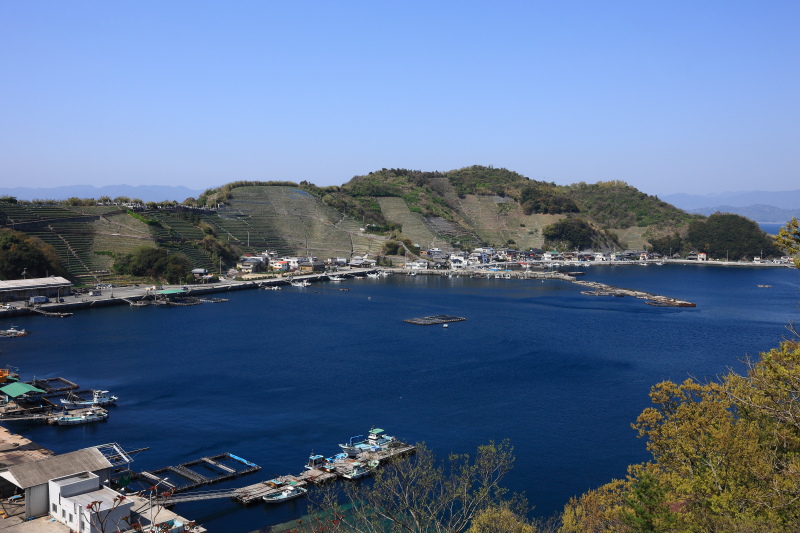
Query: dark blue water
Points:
[273, 375]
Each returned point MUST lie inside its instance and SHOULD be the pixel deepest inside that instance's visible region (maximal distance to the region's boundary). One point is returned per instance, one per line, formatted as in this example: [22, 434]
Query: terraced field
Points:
[291, 221]
[497, 221]
[414, 226]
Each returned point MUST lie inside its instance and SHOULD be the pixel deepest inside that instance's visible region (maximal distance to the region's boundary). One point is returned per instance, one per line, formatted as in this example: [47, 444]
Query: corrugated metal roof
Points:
[39, 472]
[18, 389]
[35, 283]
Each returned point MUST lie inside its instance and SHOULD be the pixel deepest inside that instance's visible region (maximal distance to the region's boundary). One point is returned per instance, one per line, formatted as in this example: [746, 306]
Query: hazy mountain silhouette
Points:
[147, 193]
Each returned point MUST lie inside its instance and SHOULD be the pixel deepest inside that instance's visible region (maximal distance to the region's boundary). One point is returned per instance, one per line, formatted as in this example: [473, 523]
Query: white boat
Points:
[285, 493]
[301, 283]
[13, 331]
[373, 275]
[99, 398]
[328, 464]
[272, 288]
[358, 470]
[71, 418]
[376, 440]
[336, 278]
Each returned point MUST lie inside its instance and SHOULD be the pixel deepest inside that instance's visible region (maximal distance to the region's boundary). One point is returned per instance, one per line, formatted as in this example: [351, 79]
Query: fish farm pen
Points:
[433, 320]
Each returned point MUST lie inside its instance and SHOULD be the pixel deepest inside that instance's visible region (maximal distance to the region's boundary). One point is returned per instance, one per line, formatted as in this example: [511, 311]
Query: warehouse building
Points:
[23, 289]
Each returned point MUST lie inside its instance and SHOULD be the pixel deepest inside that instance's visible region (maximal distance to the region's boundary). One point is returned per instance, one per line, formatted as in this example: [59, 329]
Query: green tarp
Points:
[18, 389]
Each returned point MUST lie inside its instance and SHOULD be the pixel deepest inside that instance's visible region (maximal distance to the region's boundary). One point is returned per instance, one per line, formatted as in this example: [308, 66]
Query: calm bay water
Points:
[273, 375]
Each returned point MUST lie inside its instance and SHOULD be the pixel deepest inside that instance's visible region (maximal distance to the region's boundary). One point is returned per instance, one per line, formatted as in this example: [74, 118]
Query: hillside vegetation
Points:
[369, 214]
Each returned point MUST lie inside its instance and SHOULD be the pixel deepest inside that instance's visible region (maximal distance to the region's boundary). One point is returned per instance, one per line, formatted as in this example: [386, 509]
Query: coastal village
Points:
[89, 490]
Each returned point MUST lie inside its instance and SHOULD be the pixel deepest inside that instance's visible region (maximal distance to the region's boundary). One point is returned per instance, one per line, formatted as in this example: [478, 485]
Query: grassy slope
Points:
[438, 208]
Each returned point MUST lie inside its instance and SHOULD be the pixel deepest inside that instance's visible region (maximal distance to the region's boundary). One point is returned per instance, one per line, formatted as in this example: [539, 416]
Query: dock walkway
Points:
[317, 476]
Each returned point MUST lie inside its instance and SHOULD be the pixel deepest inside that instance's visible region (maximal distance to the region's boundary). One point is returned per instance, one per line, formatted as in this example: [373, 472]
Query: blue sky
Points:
[692, 97]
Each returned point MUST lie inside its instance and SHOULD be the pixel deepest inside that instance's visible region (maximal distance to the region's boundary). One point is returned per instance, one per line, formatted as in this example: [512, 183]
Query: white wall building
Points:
[83, 504]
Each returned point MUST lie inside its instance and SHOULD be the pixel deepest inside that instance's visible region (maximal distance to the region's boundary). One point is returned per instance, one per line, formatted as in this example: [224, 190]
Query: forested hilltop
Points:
[386, 213]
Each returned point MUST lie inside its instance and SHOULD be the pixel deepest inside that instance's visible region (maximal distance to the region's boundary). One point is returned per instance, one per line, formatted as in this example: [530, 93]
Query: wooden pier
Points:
[317, 476]
[255, 493]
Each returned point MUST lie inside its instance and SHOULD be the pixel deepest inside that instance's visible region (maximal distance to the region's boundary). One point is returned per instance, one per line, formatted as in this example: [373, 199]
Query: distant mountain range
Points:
[147, 193]
[761, 206]
[781, 199]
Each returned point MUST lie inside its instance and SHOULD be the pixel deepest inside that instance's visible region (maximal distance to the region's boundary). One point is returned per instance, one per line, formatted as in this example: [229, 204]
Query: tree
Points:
[573, 232]
[415, 494]
[788, 239]
[155, 263]
[726, 457]
[20, 252]
[500, 519]
[724, 235]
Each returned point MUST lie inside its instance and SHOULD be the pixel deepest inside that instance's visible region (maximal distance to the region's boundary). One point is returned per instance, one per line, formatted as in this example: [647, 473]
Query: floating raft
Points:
[200, 472]
[433, 320]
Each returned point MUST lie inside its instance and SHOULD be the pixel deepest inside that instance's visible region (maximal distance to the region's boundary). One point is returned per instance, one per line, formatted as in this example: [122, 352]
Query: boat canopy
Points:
[375, 432]
[353, 440]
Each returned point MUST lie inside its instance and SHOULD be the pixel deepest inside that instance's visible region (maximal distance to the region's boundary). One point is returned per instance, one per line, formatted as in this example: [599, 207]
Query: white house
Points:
[85, 505]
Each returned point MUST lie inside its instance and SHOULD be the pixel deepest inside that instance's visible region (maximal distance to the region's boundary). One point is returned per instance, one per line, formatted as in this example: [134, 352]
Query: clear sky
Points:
[678, 96]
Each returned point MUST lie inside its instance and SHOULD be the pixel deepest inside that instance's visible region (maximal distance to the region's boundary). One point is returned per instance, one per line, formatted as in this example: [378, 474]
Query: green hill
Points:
[461, 208]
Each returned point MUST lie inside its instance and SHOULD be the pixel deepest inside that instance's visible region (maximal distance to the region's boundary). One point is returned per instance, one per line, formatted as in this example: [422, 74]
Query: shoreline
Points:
[539, 270]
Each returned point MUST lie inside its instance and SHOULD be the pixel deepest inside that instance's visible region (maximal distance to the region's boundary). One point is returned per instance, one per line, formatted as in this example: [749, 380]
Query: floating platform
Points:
[50, 385]
[200, 472]
[433, 320]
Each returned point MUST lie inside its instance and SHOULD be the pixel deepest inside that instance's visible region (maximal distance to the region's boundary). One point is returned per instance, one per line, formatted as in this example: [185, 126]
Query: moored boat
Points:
[327, 464]
[358, 470]
[336, 278]
[284, 493]
[99, 398]
[13, 331]
[376, 440]
[85, 416]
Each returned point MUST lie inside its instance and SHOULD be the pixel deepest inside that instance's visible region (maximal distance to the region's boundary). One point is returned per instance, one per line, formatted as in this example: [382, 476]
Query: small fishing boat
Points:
[301, 283]
[99, 398]
[285, 493]
[336, 278]
[373, 275]
[358, 470]
[376, 440]
[327, 464]
[13, 331]
[85, 416]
